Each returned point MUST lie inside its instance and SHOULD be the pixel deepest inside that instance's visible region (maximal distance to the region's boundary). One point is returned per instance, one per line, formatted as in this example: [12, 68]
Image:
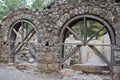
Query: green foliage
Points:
[38, 4]
[27, 26]
[10, 5]
[7, 6]
[92, 28]
[78, 28]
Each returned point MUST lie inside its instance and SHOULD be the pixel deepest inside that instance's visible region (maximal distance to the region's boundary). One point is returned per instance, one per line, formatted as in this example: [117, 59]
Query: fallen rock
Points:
[90, 68]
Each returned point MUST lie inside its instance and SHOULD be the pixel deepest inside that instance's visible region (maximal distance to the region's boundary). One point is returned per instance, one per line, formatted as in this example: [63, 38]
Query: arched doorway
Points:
[87, 39]
[23, 42]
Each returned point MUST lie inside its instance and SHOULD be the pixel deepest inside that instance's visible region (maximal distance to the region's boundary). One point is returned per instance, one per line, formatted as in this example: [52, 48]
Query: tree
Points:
[10, 5]
[39, 4]
[92, 28]
[7, 6]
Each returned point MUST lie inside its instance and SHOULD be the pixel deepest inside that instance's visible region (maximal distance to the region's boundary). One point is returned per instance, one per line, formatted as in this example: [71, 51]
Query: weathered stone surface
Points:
[78, 75]
[54, 67]
[43, 67]
[116, 77]
[117, 69]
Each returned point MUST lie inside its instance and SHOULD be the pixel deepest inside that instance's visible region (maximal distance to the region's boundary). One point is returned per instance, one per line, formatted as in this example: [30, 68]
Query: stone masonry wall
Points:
[49, 23]
[54, 18]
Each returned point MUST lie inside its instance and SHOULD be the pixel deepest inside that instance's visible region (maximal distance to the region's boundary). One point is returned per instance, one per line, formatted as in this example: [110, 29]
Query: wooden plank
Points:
[85, 31]
[20, 43]
[74, 33]
[94, 34]
[70, 54]
[23, 43]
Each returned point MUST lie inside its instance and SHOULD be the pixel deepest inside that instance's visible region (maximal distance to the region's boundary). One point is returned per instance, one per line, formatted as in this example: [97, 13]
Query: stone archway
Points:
[83, 38]
[21, 36]
[60, 15]
[23, 42]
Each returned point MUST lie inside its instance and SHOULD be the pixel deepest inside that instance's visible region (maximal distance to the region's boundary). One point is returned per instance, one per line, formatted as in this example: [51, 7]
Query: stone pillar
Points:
[116, 71]
[84, 54]
[0, 41]
[116, 75]
[0, 36]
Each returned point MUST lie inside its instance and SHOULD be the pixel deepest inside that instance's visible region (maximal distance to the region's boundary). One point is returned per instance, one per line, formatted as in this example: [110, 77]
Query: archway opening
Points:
[23, 44]
[87, 40]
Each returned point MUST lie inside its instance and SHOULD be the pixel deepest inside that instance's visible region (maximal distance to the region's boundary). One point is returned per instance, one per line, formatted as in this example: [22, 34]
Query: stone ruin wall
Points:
[49, 23]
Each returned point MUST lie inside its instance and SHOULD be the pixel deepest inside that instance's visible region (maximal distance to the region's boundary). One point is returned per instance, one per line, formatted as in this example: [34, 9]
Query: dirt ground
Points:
[11, 73]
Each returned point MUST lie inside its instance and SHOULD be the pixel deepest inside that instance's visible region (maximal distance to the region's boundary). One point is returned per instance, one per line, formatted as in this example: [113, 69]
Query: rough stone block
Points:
[50, 66]
[89, 68]
[117, 69]
[54, 67]
[66, 72]
[116, 77]
[42, 67]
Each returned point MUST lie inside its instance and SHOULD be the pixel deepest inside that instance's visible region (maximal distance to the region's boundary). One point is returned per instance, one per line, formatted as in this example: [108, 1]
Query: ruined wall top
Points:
[56, 3]
[59, 7]
[18, 12]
